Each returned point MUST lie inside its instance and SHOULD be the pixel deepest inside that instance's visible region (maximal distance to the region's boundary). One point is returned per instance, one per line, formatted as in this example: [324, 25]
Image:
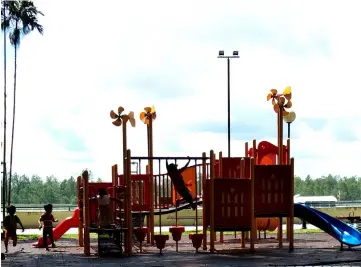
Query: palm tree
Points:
[21, 20]
[5, 5]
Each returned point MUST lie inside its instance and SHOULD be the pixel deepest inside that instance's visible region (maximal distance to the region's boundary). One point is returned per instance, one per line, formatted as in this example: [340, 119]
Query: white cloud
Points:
[80, 70]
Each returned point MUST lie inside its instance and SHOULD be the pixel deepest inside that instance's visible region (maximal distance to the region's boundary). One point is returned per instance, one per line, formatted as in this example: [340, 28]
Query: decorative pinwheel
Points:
[148, 114]
[119, 118]
[281, 102]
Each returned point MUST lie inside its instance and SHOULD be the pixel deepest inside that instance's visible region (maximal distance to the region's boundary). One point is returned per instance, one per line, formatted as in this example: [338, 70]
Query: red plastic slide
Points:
[62, 228]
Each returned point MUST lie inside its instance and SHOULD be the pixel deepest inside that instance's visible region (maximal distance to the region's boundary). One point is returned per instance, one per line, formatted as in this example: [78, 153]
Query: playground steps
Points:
[110, 241]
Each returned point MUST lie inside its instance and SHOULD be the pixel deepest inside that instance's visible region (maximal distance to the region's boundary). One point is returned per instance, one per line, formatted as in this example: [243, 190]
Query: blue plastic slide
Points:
[330, 225]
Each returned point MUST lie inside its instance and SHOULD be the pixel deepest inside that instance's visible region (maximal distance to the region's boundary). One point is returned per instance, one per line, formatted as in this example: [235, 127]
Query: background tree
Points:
[21, 19]
[51, 189]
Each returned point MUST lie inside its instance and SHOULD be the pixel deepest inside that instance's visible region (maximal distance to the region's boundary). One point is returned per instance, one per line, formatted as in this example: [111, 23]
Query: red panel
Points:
[140, 192]
[232, 203]
[93, 204]
[216, 168]
[272, 189]
[235, 167]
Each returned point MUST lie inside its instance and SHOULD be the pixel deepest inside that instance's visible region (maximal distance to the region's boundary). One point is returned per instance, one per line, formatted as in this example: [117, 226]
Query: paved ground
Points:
[310, 250]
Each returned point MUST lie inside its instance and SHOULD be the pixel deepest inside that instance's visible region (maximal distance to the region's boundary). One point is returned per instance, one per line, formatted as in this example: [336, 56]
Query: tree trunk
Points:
[4, 142]
[13, 126]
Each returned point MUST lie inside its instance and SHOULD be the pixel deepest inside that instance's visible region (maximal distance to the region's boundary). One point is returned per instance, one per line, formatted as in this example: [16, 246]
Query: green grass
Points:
[298, 231]
[66, 236]
[75, 236]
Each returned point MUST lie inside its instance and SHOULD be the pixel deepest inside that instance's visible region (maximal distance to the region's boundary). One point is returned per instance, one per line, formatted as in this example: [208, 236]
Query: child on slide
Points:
[175, 175]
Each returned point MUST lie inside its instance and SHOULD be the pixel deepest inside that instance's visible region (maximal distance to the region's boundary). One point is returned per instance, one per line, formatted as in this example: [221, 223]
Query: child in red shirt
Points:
[10, 225]
[178, 182]
[46, 221]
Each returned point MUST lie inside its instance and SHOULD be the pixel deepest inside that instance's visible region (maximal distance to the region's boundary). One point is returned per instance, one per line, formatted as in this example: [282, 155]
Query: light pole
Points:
[289, 118]
[234, 55]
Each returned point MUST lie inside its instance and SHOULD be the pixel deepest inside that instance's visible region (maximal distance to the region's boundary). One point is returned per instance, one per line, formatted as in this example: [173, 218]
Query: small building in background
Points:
[316, 201]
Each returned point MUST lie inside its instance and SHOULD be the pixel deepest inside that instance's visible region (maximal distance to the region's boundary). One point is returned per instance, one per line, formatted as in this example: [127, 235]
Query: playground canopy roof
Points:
[304, 199]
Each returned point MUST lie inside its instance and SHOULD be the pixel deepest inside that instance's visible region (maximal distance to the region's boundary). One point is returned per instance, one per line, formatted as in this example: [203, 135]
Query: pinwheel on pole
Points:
[280, 102]
[122, 119]
[148, 116]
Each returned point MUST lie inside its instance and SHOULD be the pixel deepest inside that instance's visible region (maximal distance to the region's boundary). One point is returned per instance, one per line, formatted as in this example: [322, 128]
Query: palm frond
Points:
[20, 18]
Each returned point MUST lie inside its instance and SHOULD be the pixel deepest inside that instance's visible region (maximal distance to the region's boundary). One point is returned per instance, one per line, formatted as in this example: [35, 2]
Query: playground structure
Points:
[245, 190]
[241, 194]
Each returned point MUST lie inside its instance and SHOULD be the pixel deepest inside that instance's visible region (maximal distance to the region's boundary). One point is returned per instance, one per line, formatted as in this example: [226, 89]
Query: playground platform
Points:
[310, 250]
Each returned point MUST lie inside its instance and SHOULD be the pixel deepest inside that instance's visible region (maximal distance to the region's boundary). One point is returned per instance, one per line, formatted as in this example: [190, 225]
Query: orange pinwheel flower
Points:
[148, 114]
[281, 101]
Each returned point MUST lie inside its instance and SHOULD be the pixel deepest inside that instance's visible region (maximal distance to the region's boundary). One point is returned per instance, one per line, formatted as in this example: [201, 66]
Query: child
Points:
[10, 225]
[178, 182]
[105, 216]
[46, 221]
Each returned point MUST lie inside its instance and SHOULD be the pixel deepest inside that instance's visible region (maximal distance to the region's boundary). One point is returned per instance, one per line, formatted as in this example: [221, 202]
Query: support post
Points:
[211, 196]
[292, 215]
[129, 202]
[80, 206]
[86, 213]
[280, 162]
[204, 180]
[253, 219]
[151, 182]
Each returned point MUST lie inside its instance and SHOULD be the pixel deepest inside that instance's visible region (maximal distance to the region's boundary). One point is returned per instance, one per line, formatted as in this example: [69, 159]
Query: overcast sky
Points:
[97, 55]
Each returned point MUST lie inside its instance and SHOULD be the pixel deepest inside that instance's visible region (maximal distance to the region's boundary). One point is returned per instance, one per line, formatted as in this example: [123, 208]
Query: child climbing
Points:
[10, 224]
[105, 217]
[175, 175]
[46, 222]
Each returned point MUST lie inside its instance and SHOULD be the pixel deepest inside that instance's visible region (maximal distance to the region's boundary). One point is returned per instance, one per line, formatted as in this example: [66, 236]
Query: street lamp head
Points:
[235, 53]
[221, 53]
[290, 117]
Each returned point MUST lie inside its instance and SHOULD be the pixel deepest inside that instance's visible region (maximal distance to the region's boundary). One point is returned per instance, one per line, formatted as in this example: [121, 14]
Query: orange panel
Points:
[268, 159]
[189, 178]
